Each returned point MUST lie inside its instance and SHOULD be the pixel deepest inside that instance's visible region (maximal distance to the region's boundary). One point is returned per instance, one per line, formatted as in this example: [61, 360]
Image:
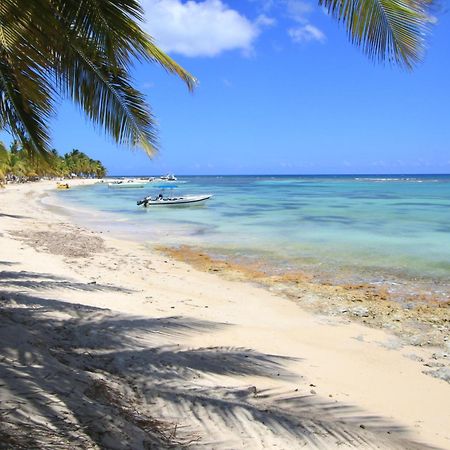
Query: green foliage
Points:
[83, 50]
[22, 163]
[80, 164]
[392, 30]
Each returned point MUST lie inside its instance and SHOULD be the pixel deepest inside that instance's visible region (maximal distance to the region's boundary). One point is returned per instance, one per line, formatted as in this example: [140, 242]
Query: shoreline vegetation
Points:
[18, 165]
[110, 343]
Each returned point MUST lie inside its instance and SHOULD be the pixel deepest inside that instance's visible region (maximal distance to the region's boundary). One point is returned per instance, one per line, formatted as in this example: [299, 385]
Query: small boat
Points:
[62, 186]
[173, 201]
[130, 184]
[168, 177]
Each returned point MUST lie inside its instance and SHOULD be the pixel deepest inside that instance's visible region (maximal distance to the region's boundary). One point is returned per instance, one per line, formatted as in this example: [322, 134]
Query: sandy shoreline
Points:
[107, 343]
[420, 320]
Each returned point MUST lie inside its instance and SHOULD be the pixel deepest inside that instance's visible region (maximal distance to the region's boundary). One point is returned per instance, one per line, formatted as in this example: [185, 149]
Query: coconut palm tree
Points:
[83, 50]
[99, 169]
[13, 161]
[19, 162]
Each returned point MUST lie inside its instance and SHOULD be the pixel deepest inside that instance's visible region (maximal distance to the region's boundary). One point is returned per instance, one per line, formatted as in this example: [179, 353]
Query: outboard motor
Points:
[143, 201]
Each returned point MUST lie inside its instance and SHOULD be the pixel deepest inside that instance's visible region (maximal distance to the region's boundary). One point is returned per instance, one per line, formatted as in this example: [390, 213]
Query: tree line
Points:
[19, 164]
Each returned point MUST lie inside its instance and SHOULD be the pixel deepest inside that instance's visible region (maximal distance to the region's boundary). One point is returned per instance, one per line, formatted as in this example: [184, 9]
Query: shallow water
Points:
[355, 229]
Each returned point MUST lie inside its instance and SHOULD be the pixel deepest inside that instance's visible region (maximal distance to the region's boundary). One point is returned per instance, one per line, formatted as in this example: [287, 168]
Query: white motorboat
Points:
[160, 200]
[130, 184]
[166, 180]
[168, 177]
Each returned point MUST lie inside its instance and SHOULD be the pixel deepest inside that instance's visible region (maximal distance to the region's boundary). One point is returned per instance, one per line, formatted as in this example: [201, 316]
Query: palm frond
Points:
[88, 48]
[392, 30]
[107, 96]
[114, 27]
[156, 55]
[3, 150]
[25, 102]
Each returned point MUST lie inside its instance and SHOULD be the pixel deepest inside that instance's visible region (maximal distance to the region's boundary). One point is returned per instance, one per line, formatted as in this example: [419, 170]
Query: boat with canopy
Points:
[181, 200]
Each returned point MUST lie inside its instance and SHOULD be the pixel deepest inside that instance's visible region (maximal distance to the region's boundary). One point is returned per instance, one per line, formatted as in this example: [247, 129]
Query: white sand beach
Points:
[107, 343]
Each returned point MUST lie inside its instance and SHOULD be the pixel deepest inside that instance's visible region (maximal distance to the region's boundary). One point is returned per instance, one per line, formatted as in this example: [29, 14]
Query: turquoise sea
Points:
[377, 229]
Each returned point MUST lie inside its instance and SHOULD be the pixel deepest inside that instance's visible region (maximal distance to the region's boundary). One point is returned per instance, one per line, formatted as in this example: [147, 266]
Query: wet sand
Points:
[421, 319]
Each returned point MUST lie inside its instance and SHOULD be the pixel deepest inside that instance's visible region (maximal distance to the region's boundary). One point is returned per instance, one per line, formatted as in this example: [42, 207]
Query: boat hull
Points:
[181, 201]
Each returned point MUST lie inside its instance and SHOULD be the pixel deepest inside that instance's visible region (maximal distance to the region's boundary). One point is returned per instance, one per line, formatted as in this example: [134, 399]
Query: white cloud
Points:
[266, 5]
[298, 10]
[265, 21]
[306, 33]
[204, 28]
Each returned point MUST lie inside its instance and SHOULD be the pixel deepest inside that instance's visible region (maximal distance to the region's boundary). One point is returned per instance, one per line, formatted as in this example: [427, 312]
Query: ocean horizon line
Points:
[290, 175]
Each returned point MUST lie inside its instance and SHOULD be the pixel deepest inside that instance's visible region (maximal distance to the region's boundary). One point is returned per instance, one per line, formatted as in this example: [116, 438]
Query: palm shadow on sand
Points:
[36, 280]
[73, 376]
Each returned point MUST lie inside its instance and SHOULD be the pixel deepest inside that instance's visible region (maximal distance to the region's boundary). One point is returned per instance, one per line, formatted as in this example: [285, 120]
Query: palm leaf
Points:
[25, 103]
[114, 27]
[107, 96]
[392, 30]
[156, 55]
[98, 80]
[86, 47]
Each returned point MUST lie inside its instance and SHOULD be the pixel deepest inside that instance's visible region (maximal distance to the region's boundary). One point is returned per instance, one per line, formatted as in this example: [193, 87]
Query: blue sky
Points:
[281, 91]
